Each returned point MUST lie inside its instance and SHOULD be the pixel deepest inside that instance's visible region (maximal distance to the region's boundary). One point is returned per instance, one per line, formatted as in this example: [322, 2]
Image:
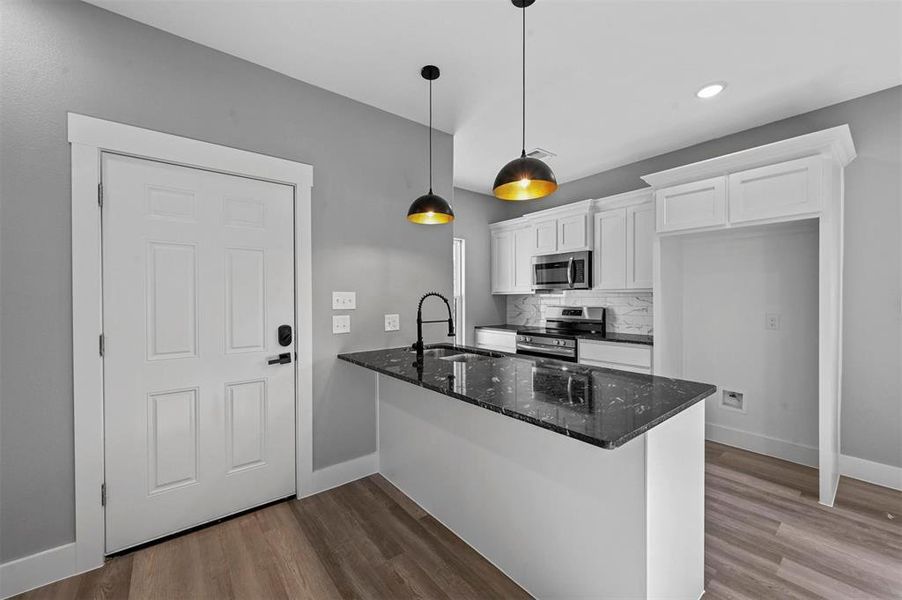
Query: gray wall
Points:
[368, 166]
[872, 332]
[472, 212]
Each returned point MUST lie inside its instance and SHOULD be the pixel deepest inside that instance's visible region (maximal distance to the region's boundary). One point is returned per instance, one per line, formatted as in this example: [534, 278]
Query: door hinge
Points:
[100, 344]
[100, 195]
[102, 494]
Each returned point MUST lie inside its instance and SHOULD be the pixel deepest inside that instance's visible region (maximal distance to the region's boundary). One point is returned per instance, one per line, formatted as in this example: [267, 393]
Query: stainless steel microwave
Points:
[571, 271]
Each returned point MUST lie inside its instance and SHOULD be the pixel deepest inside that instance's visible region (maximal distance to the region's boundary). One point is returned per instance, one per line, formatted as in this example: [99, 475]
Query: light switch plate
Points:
[392, 322]
[344, 300]
[341, 324]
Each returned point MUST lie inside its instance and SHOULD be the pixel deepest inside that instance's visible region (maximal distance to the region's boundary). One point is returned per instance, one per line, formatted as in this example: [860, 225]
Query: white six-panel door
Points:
[197, 279]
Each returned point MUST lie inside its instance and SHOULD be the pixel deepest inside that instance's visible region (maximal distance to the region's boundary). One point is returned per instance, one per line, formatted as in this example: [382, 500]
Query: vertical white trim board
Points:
[89, 137]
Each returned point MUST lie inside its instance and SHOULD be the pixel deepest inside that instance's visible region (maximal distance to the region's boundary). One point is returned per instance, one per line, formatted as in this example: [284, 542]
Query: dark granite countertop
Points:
[622, 338]
[602, 407]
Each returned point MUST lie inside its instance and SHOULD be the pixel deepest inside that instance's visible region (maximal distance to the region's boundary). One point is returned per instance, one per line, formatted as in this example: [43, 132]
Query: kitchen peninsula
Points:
[574, 480]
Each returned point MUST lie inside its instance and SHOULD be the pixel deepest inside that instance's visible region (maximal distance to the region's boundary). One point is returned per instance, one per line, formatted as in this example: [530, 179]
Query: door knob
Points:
[282, 359]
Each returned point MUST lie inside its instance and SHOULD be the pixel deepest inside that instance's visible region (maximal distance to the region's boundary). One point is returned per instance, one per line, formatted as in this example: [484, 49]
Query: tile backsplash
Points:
[627, 312]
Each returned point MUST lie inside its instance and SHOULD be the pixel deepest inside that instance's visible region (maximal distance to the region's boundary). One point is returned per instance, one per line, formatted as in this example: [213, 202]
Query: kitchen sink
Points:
[456, 353]
[464, 357]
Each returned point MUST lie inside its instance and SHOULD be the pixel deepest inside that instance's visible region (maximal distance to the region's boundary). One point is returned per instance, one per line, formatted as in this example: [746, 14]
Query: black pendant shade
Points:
[430, 208]
[524, 178]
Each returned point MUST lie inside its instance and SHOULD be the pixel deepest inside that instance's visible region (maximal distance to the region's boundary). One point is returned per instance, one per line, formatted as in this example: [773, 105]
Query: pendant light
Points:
[430, 209]
[524, 178]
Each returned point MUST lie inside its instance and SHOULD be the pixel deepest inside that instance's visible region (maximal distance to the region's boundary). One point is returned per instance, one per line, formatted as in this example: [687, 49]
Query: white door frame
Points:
[89, 137]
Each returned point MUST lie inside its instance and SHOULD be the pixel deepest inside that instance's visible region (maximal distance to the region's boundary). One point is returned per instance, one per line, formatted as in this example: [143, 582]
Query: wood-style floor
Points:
[766, 537]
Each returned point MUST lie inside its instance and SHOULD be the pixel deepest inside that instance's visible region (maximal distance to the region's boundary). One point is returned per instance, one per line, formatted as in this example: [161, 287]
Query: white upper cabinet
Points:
[692, 205]
[502, 261]
[640, 239]
[610, 249]
[512, 251]
[565, 228]
[545, 232]
[624, 241]
[523, 253]
[780, 190]
[573, 232]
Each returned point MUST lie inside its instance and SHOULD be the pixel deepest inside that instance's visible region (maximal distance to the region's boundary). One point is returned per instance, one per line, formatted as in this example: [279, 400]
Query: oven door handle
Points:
[547, 350]
[570, 272]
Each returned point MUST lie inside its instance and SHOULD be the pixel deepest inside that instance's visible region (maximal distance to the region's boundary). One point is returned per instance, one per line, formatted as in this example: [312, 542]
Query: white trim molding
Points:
[35, 570]
[869, 471]
[835, 142]
[89, 138]
[337, 475]
[877, 473]
[794, 452]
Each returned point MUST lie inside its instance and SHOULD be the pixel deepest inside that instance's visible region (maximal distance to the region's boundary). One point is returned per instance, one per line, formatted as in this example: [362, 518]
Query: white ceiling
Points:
[608, 82]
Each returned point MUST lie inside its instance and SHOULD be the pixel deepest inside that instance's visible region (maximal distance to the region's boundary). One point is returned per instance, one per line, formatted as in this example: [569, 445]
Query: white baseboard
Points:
[762, 444]
[30, 572]
[342, 473]
[870, 471]
[849, 466]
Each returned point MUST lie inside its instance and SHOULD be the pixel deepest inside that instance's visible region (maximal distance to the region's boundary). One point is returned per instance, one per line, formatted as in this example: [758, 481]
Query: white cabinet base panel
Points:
[560, 517]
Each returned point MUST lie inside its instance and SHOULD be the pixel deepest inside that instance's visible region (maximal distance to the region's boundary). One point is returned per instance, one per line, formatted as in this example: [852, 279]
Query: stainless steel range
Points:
[557, 338]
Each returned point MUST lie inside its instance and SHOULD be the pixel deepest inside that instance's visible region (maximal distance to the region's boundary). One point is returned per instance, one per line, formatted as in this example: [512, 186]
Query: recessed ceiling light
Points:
[711, 90]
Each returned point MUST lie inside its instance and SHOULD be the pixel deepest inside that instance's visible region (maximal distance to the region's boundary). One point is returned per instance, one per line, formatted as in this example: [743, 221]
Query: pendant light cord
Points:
[430, 136]
[523, 129]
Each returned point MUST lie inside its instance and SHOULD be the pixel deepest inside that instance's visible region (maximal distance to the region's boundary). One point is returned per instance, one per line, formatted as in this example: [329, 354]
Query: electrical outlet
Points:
[344, 300]
[772, 321]
[341, 324]
[732, 400]
[392, 322]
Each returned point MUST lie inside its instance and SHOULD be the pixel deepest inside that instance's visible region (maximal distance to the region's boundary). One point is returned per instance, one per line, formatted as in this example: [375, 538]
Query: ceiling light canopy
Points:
[711, 90]
[524, 178]
[430, 208]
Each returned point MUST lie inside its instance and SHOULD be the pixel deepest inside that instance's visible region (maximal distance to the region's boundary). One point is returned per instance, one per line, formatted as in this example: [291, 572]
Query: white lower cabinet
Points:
[614, 355]
[499, 340]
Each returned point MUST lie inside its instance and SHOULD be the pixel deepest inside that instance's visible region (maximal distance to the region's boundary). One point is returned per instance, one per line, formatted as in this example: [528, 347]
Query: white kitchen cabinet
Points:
[779, 190]
[692, 205]
[624, 241]
[512, 252]
[523, 253]
[546, 236]
[499, 340]
[502, 248]
[610, 249]
[640, 239]
[614, 355]
[573, 232]
[565, 228]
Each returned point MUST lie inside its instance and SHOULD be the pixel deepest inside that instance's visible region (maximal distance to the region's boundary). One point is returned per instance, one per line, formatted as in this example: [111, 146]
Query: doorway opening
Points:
[459, 256]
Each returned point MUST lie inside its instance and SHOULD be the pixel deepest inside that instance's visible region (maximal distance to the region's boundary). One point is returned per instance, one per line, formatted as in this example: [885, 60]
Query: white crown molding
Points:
[835, 142]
